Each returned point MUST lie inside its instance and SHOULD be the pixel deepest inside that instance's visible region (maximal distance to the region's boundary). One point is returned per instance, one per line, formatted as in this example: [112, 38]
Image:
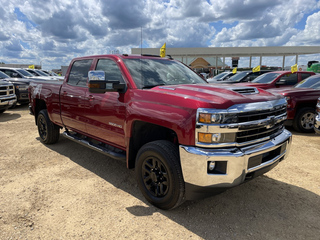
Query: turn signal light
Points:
[205, 137]
[205, 118]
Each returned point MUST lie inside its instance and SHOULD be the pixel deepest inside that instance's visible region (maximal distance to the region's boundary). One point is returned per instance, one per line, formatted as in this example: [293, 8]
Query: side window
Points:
[111, 69]
[305, 75]
[79, 73]
[11, 73]
[290, 79]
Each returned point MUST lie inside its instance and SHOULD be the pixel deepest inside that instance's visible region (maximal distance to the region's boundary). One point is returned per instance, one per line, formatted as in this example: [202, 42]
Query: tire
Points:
[159, 174]
[48, 131]
[304, 120]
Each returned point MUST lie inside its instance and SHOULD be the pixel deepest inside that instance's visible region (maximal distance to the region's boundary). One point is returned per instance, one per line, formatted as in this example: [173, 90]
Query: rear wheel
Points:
[48, 131]
[304, 120]
[159, 174]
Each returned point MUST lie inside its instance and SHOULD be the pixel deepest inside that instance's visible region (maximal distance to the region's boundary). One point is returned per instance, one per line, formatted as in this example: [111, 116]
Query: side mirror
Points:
[247, 79]
[99, 84]
[14, 75]
[281, 82]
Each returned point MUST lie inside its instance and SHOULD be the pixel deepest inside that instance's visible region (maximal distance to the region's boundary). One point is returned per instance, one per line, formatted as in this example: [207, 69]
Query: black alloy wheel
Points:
[48, 131]
[159, 174]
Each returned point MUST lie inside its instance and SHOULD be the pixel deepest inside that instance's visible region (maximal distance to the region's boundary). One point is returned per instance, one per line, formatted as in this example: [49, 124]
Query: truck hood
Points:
[5, 83]
[220, 96]
[251, 84]
[295, 91]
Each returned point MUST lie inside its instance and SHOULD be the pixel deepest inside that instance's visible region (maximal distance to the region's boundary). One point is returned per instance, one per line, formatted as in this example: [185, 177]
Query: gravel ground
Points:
[66, 191]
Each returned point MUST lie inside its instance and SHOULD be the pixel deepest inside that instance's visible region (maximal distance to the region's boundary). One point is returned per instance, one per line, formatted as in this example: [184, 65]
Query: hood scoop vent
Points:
[245, 90]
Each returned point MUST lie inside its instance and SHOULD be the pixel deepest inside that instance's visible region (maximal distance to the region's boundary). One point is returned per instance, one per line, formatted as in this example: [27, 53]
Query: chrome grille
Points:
[244, 124]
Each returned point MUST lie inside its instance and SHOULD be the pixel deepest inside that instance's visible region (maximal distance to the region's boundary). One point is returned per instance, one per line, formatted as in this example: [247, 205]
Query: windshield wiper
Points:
[152, 86]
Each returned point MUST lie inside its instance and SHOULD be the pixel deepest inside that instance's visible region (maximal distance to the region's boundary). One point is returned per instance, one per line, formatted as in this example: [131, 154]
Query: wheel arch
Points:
[39, 105]
[144, 132]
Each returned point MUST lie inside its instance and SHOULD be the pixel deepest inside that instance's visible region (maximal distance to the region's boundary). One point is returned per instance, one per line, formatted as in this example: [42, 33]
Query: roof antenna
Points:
[141, 41]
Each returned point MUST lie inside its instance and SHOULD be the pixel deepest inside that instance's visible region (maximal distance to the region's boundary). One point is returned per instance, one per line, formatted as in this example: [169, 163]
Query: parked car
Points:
[7, 95]
[22, 73]
[278, 79]
[246, 76]
[220, 77]
[21, 88]
[317, 118]
[302, 99]
[51, 73]
[39, 73]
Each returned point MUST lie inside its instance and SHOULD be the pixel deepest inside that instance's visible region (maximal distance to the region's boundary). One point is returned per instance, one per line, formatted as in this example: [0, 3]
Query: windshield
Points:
[221, 75]
[310, 82]
[3, 75]
[41, 73]
[53, 73]
[237, 77]
[266, 78]
[24, 73]
[148, 73]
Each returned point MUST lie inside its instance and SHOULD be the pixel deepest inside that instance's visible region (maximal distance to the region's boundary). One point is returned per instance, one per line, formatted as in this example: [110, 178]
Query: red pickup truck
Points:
[278, 79]
[185, 138]
[302, 100]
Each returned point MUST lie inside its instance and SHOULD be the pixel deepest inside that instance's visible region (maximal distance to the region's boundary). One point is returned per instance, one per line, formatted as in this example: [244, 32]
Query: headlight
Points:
[288, 102]
[208, 118]
[22, 87]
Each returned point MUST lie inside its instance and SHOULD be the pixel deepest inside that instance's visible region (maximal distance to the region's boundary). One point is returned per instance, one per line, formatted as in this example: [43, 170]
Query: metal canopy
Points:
[224, 52]
[232, 51]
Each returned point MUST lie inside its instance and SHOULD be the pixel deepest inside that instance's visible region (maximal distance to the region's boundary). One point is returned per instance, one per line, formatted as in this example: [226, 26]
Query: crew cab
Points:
[278, 79]
[302, 99]
[186, 139]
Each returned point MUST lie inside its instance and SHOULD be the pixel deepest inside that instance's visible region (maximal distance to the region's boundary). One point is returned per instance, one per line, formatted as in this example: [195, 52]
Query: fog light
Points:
[211, 165]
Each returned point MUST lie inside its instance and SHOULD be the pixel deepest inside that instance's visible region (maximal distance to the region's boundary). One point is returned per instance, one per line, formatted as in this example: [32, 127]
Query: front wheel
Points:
[304, 120]
[48, 131]
[159, 174]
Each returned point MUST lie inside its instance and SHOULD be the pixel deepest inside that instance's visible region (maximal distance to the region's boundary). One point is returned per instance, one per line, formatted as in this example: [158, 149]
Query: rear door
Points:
[73, 96]
[288, 80]
[106, 111]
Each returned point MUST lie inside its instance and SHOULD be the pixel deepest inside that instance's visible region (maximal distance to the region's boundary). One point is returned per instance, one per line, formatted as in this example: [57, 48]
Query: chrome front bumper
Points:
[8, 101]
[236, 164]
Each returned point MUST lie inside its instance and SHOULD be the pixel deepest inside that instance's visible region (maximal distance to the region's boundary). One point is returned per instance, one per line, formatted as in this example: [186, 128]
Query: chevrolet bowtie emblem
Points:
[271, 122]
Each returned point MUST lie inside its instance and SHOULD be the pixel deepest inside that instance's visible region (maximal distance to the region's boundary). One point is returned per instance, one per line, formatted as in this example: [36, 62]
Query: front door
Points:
[106, 111]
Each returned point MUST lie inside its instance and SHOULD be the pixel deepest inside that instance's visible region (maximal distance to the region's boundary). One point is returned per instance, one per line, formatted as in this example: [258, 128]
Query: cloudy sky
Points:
[52, 32]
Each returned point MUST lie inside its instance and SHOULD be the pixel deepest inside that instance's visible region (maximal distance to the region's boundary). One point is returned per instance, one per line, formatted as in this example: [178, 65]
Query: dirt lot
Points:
[66, 191]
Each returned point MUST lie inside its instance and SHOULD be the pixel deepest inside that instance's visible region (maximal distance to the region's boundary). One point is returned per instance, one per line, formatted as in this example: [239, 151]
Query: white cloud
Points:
[310, 35]
[54, 32]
